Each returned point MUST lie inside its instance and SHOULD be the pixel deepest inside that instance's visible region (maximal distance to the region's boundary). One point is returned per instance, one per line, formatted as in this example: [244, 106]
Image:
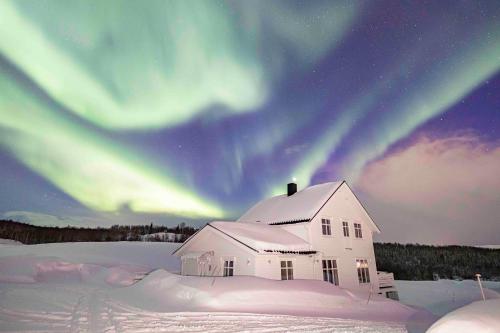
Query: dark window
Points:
[357, 230]
[286, 270]
[228, 268]
[345, 227]
[330, 272]
[326, 227]
[392, 295]
[363, 272]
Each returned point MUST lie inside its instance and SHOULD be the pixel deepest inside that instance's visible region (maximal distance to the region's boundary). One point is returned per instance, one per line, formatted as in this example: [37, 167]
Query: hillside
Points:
[31, 234]
[420, 262]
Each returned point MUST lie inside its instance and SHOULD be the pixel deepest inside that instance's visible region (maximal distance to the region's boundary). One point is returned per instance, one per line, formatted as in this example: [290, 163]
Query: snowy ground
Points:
[95, 287]
[443, 296]
[45, 308]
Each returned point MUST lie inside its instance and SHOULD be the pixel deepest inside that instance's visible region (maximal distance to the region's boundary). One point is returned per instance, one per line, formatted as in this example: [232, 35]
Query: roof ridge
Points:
[300, 207]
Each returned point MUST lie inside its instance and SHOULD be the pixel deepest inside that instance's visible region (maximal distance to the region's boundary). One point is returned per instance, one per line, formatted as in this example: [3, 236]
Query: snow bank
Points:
[28, 269]
[117, 264]
[478, 317]
[4, 241]
[147, 255]
[162, 291]
[443, 296]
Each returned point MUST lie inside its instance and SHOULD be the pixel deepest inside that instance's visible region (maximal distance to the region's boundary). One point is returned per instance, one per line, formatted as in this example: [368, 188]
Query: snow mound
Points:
[115, 264]
[147, 255]
[4, 241]
[477, 317]
[29, 269]
[162, 291]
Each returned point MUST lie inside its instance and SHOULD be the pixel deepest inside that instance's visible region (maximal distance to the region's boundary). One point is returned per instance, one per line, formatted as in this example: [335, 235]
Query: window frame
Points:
[363, 270]
[286, 269]
[345, 229]
[358, 233]
[228, 270]
[330, 273]
[326, 226]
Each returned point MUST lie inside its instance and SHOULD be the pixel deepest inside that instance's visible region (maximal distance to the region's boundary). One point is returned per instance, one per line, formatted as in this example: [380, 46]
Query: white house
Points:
[321, 232]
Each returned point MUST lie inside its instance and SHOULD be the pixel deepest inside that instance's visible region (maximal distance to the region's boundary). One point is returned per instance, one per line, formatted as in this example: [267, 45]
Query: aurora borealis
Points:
[168, 111]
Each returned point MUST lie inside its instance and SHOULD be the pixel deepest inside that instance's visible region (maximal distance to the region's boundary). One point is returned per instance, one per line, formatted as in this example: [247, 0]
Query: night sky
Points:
[134, 112]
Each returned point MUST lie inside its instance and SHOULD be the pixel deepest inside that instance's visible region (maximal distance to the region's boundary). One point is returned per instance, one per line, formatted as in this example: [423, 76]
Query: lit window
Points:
[228, 268]
[345, 226]
[363, 272]
[330, 273]
[286, 270]
[357, 230]
[325, 227]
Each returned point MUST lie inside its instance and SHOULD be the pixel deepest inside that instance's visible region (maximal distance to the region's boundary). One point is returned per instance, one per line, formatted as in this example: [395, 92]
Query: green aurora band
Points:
[86, 165]
[124, 67]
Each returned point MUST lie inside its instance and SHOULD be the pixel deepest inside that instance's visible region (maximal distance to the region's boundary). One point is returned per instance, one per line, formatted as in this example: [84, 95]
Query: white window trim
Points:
[348, 228]
[329, 218]
[293, 267]
[360, 228]
[367, 268]
[336, 268]
[223, 260]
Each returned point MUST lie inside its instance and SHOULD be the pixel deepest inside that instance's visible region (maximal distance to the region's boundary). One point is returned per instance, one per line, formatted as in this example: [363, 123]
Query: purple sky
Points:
[192, 111]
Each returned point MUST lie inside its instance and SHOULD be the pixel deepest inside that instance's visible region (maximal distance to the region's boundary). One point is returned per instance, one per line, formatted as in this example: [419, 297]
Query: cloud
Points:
[444, 190]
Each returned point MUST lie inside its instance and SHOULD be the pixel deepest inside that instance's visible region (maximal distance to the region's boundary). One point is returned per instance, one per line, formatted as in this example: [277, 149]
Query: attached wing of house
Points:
[256, 237]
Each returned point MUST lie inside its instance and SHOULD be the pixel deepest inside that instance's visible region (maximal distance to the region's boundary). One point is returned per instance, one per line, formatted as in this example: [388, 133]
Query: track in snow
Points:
[93, 311]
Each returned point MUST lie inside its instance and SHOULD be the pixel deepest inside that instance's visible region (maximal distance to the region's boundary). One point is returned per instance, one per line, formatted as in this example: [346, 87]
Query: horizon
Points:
[173, 112]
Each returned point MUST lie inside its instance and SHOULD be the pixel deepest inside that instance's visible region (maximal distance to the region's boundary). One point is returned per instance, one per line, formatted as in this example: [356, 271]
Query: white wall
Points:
[269, 266]
[298, 229]
[343, 206]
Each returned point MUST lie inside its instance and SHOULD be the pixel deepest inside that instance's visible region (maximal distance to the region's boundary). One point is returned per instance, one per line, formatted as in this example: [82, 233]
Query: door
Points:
[190, 266]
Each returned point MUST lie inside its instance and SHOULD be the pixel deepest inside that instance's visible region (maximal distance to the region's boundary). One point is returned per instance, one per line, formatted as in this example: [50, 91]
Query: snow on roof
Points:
[262, 237]
[301, 206]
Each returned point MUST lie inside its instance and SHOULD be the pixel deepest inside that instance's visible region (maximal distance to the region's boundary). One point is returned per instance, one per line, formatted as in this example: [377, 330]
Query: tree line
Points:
[31, 234]
[425, 262]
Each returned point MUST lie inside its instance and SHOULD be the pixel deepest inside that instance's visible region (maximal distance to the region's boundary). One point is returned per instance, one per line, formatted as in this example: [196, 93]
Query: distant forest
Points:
[31, 234]
[407, 262]
[420, 262]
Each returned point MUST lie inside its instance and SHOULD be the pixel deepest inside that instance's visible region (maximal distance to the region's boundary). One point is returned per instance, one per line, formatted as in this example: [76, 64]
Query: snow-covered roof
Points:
[301, 206]
[262, 237]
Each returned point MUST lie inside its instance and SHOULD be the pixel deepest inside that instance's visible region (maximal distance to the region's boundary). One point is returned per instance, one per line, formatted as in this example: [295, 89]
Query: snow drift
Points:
[162, 291]
[477, 317]
[116, 264]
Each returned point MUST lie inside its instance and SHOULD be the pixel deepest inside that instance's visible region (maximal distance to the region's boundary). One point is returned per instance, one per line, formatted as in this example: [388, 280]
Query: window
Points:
[330, 273]
[286, 270]
[363, 273]
[357, 230]
[392, 295]
[325, 227]
[345, 226]
[228, 268]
